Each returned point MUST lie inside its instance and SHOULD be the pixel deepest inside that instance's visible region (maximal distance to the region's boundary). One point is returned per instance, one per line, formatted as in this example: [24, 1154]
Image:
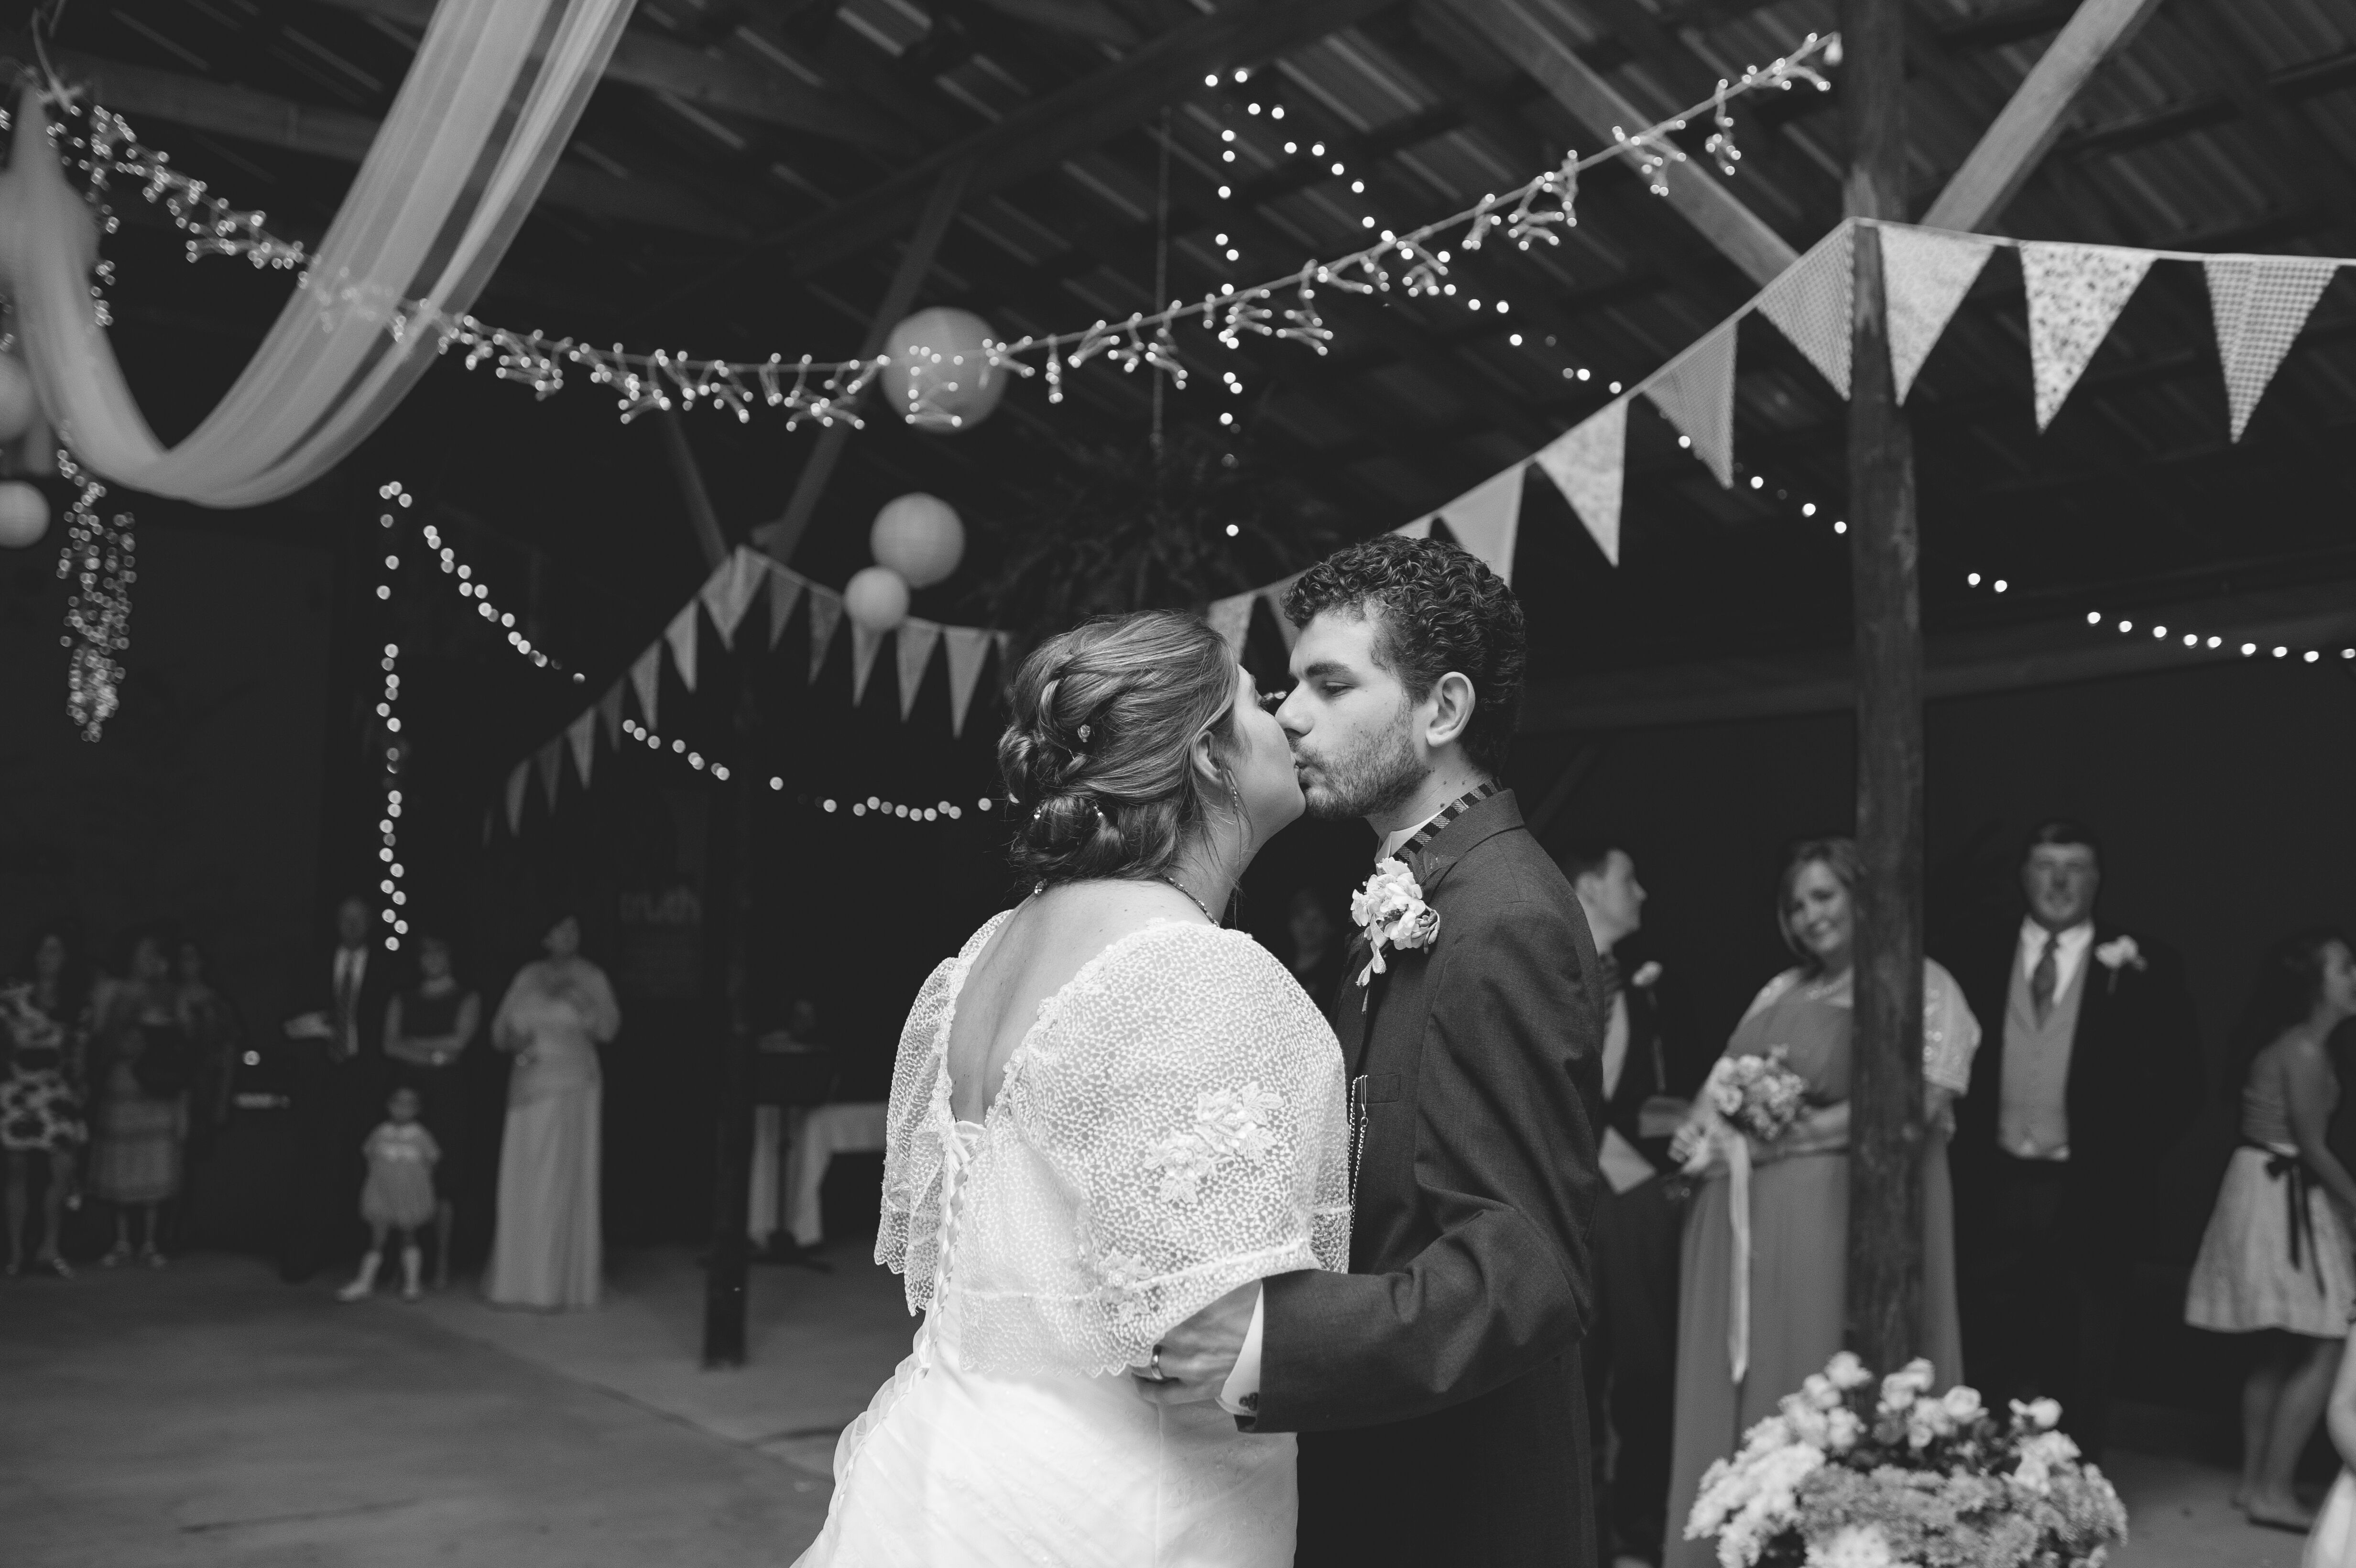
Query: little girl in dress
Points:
[399, 1195]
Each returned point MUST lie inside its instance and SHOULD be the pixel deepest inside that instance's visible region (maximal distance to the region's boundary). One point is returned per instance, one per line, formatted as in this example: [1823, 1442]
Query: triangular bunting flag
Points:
[864, 646]
[516, 782]
[609, 709]
[1418, 530]
[583, 733]
[728, 593]
[1274, 593]
[1487, 518]
[550, 761]
[1696, 391]
[785, 593]
[1924, 276]
[825, 614]
[1588, 463]
[1811, 301]
[1231, 618]
[914, 647]
[646, 676]
[969, 647]
[2075, 293]
[2260, 302]
[681, 635]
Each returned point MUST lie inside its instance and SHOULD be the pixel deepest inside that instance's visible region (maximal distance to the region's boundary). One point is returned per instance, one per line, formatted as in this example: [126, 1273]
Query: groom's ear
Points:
[1451, 701]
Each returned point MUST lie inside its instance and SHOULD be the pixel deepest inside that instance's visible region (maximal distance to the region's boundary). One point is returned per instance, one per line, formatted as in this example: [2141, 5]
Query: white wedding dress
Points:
[1171, 1126]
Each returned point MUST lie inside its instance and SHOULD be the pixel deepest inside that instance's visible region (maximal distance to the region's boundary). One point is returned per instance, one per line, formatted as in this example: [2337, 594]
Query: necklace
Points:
[1191, 899]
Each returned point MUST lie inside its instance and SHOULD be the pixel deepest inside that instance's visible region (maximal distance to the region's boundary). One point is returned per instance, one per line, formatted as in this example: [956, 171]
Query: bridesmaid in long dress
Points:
[548, 1251]
[1799, 1193]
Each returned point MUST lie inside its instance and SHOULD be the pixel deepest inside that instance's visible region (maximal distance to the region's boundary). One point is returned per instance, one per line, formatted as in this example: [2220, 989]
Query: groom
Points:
[1437, 1386]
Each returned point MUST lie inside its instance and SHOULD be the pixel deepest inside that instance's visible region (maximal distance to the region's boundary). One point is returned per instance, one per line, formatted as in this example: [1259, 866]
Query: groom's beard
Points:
[1373, 782]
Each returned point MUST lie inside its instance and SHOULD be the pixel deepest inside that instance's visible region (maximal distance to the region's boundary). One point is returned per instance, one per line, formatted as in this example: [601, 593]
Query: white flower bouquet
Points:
[1845, 1476]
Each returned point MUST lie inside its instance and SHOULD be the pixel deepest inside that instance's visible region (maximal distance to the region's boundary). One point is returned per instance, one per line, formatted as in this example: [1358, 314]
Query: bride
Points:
[1108, 1115]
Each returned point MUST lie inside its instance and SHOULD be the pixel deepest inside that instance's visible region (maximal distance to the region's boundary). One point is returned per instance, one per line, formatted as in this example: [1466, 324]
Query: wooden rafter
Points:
[1046, 130]
[139, 92]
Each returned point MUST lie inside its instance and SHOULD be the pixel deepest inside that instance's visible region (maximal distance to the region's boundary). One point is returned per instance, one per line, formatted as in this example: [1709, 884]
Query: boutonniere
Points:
[1390, 913]
[1647, 975]
[2120, 953]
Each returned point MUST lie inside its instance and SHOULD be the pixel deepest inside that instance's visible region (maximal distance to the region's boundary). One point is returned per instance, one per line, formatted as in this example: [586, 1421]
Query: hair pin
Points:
[1084, 731]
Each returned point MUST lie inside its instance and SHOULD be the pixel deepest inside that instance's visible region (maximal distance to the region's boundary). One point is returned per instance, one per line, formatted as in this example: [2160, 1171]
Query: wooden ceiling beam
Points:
[1046, 130]
[706, 80]
[2027, 127]
[1531, 41]
[243, 114]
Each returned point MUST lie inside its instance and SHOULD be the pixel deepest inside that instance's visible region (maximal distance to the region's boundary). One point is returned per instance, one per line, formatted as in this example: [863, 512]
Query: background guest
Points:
[1798, 1275]
[216, 1034]
[1318, 950]
[428, 1028]
[2060, 1141]
[1632, 1347]
[44, 1016]
[2275, 1260]
[776, 1125]
[338, 1071]
[142, 1067]
[398, 1197]
[548, 1249]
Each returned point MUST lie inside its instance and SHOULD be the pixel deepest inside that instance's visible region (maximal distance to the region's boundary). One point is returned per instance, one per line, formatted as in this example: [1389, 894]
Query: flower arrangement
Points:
[1759, 1096]
[1391, 911]
[1845, 1476]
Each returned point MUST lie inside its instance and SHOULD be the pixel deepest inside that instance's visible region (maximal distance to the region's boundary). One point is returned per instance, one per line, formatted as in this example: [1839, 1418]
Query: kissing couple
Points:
[1205, 1285]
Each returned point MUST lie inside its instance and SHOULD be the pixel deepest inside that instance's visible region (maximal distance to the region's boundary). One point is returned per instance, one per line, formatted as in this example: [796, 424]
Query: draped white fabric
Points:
[487, 106]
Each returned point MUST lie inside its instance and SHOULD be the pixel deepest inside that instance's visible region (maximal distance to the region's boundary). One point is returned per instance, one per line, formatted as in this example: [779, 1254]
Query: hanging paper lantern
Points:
[24, 514]
[876, 598]
[941, 378]
[18, 406]
[919, 537]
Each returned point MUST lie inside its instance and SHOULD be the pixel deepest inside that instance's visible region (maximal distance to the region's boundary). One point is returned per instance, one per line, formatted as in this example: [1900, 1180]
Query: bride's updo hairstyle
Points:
[1096, 756]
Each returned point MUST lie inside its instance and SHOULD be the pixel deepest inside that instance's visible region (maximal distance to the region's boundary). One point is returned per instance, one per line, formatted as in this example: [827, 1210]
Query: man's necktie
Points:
[347, 1007]
[2041, 979]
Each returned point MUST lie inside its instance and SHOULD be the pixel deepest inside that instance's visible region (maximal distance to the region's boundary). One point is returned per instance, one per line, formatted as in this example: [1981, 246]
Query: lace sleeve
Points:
[1951, 1035]
[908, 1230]
[1188, 1095]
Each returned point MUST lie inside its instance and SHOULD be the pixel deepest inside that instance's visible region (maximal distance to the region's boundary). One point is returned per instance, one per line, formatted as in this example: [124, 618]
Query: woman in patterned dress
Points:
[43, 1019]
[142, 1067]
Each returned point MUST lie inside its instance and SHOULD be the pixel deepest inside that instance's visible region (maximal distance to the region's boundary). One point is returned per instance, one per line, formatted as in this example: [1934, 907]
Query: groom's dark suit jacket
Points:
[1437, 1385]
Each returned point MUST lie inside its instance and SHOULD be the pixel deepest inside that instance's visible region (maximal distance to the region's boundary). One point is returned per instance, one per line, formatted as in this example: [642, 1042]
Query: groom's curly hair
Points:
[1436, 608]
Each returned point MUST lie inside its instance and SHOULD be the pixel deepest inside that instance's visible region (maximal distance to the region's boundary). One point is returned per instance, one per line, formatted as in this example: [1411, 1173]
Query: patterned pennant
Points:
[609, 709]
[1274, 593]
[1231, 618]
[2075, 294]
[1588, 463]
[1812, 300]
[681, 635]
[1924, 276]
[785, 593]
[517, 783]
[1487, 518]
[969, 647]
[914, 647]
[728, 593]
[825, 614]
[550, 761]
[583, 733]
[646, 676]
[864, 646]
[1696, 391]
[2260, 302]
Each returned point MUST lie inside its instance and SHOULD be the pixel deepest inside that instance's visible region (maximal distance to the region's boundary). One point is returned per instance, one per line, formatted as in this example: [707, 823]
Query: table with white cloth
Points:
[792, 1147]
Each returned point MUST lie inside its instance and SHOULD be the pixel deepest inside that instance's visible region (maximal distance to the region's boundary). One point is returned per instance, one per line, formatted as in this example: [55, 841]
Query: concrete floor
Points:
[210, 1416]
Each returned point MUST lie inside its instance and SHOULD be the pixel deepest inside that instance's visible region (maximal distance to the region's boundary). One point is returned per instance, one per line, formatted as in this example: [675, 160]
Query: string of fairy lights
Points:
[100, 558]
[1416, 262]
[942, 810]
[396, 746]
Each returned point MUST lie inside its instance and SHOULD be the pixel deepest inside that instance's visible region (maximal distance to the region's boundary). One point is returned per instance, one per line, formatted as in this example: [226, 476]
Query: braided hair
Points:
[1097, 757]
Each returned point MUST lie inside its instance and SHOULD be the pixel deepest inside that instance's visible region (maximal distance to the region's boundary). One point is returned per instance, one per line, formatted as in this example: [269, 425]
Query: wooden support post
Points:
[779, 537]
[1885, 1215]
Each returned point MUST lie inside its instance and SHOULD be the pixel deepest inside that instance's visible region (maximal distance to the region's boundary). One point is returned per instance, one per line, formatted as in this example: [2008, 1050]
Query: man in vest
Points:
[2090, 1075]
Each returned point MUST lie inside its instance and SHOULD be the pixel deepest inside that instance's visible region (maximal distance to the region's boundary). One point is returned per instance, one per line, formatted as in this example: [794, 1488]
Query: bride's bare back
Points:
[1043, 944]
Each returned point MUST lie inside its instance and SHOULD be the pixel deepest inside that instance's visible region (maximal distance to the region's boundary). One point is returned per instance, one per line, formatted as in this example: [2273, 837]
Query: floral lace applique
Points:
[1119, 1277]
[1228, 1123]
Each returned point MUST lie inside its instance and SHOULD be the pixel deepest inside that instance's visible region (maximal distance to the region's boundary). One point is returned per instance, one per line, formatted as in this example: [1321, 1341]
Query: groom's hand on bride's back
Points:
[1199, 1354]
